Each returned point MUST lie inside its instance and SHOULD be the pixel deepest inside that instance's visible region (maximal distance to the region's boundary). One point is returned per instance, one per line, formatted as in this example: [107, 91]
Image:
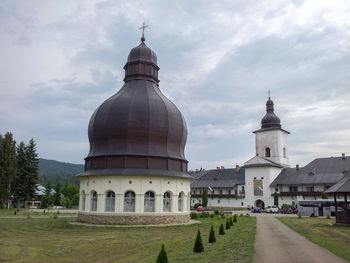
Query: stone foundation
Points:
[138, 219]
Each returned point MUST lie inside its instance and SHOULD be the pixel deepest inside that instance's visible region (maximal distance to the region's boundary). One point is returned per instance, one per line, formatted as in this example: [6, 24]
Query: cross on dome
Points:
[143, 31]
[269, 93]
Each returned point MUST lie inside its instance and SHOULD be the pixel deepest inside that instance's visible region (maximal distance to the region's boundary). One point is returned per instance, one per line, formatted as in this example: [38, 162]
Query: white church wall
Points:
[276, 140]
[267, 175]
[137, 184]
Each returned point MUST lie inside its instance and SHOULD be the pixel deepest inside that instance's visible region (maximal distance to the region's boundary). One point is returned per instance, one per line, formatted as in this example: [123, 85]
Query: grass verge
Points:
[324, 232]
[55, 240]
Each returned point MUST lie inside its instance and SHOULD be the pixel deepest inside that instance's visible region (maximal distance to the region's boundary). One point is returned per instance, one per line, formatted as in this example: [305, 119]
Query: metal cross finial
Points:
[143, 31]
[269, 93]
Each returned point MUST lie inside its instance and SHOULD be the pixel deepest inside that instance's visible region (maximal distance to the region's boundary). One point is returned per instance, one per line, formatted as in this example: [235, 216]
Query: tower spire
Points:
[143, 31]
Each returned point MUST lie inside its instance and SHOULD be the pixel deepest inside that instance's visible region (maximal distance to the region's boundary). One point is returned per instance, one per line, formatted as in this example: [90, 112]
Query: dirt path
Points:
[275, 242]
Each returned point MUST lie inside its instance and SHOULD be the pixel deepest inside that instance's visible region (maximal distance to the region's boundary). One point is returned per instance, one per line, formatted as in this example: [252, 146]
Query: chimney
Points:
[222, 168]
[197, 170]
[217, 168]
[297, 167]
[237, 168]
[191, 171]
[343, 155]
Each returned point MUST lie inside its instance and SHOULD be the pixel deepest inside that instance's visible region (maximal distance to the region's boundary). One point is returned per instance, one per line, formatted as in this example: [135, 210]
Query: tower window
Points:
[284, 153]
[267, 152]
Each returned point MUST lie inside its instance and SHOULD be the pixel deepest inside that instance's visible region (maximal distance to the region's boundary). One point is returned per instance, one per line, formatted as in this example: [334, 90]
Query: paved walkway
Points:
[276, 242]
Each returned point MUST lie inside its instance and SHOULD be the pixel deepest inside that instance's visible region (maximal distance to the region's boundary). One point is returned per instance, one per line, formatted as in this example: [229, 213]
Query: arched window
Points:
[110, 201]
[267, 152]
[284, 153]
[129, 202]
[149, 202]
[83, 201]
[94, 201]
[166, 202]
[180, 202]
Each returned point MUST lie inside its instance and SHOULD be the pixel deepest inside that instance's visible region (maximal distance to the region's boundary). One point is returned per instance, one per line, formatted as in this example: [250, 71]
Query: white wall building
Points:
[268, 172]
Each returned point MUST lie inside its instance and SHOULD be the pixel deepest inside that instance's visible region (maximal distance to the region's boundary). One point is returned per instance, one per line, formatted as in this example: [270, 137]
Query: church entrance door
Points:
[260, 203]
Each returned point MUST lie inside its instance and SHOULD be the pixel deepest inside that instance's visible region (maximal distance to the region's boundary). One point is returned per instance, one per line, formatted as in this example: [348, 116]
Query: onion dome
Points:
[138, 130]
[270, 119]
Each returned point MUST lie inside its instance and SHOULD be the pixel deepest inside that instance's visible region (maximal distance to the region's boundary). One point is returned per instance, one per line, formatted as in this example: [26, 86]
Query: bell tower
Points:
[271, 141]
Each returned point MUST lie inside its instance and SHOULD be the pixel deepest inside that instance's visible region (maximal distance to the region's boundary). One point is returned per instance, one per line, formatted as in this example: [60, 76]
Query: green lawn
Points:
[26, 212]
[55, 240]
[323, 232]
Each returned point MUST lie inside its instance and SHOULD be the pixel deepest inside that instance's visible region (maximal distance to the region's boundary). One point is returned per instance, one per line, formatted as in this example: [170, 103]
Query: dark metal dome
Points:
[138, 127]
[270, 119]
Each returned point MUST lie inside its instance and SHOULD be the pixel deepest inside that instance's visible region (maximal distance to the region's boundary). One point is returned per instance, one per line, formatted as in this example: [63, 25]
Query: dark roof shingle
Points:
[220, 178]
[320, 171]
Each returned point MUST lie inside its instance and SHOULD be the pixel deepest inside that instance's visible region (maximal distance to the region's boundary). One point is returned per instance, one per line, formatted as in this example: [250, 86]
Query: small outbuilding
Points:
[342, 208]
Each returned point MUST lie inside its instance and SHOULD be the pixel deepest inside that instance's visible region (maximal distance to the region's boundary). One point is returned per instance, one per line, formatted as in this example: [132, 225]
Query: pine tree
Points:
[227, 224]
[231, 222]
[275, 199]
[18, 186]
[235, 218]
[198, 245]
[32, 169]
[47, 199]
[221, 230]
[212, 238]
[205, 198]
[162, 256]
[7, 166]
[57, 195]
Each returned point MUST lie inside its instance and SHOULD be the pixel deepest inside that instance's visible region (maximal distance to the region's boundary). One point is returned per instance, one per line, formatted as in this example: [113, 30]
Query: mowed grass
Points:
[323, 232]
[55, 240]
[26, 212]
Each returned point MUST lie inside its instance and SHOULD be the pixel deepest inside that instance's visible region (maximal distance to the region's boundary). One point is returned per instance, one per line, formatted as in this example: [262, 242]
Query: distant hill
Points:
[56, 171]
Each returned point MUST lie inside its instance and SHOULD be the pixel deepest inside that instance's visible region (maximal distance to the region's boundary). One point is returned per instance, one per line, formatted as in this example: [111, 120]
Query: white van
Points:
[271, 209]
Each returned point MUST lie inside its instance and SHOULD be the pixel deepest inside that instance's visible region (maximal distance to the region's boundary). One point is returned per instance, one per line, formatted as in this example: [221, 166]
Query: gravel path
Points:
[276, 242]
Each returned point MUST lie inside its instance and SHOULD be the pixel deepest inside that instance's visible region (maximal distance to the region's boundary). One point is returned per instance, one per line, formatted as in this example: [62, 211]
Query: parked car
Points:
[200, 208]
[271, 209]
[256, 210]
[286, 210]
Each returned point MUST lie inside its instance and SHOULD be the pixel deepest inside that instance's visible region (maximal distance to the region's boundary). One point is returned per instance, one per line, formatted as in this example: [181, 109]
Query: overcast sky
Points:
[61, 59]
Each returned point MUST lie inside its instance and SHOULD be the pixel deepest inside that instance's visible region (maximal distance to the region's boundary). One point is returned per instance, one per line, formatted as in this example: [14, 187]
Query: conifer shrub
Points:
[221, 230]
[235, 218]
[227, 225]
[212, 215]
[216, 212]
[241, 215]
[162, 256]
[204, 215]
[194, 215]
[198, 245]
[231, 222]
[212, 238]
[15, 212]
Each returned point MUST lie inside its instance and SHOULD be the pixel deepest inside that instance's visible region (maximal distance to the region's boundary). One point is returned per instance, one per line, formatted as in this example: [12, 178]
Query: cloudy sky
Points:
[61, 59]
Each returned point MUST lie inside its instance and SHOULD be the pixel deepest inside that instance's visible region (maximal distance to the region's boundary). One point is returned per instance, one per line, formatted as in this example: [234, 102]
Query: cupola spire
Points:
[270, 119]
[143, 31]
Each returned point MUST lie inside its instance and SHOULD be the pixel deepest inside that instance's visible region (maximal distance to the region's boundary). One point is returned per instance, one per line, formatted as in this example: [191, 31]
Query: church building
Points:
[268, 172]
[136, 170]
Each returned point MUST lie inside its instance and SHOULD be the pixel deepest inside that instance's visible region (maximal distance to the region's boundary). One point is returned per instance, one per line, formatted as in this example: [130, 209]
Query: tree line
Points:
[19, 167]
[19, 177]
[57, 195]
